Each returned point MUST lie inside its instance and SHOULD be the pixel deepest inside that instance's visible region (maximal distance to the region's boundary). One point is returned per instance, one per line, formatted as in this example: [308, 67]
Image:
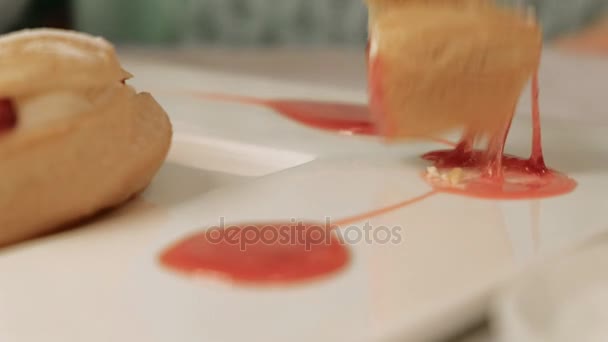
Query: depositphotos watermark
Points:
[301, 233]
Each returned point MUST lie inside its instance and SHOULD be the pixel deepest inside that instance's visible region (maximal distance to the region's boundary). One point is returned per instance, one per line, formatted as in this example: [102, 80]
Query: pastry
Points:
[434, 67]
[75, 139]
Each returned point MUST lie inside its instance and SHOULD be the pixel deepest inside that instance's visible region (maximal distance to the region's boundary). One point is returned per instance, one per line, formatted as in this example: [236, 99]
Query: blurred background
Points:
[264, 22]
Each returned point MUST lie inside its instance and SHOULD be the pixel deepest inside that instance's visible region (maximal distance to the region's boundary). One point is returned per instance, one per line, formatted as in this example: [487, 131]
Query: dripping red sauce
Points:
[520, 178]
[261, 254]
[8, 115]
[493, 174]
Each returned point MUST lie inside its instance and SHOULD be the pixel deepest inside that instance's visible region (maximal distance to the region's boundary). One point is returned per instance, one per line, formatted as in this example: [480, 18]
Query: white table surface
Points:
[345, 70]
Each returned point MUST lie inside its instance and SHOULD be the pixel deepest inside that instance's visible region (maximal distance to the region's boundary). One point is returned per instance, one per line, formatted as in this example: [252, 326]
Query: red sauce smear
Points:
[269, 254]
[495, 175]
[341, 118]
[385, 210]
[344, 118]
[264, 254]
[8, 115]
[350, 119]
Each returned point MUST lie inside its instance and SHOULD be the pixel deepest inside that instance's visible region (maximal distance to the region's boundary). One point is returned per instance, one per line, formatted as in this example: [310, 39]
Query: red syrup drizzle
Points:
[8, 115]
[499, 176]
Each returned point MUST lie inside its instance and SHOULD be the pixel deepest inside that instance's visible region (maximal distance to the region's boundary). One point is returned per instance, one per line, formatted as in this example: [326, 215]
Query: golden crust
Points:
[41, 59]
[443, 68]
[447, 40]
[78, 165]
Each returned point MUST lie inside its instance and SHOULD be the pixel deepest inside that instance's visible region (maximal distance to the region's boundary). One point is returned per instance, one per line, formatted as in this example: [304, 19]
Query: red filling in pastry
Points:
[8, 115]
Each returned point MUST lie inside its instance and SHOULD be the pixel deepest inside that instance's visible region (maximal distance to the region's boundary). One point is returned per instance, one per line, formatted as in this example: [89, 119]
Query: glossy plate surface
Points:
[243, 163]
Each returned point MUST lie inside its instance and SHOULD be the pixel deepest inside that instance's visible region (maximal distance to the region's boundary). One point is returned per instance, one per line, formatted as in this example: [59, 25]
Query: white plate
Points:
[562, 300]
[102, 282]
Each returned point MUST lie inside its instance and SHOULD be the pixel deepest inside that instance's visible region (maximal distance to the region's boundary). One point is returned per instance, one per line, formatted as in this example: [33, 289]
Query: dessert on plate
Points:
[439, 66]
[75, 139]
[435, 66]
